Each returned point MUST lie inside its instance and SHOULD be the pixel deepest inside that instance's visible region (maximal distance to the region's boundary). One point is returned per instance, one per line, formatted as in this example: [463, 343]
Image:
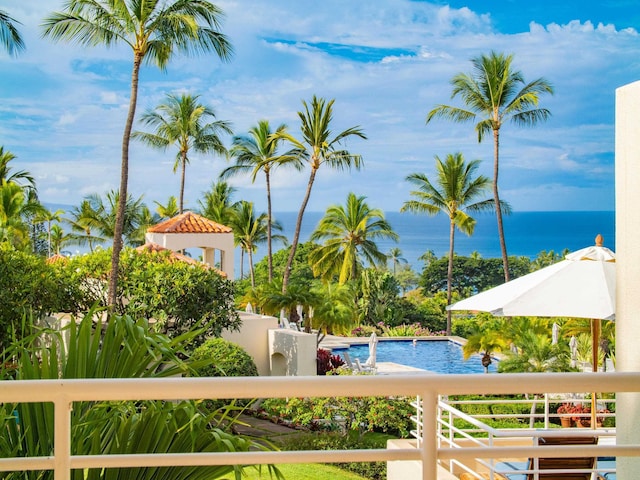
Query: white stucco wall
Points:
[628, 267]
[253, 337]
[292, 352]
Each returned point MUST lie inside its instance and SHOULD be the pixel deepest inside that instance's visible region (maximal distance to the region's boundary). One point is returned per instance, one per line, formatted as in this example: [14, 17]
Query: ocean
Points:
[526, 233]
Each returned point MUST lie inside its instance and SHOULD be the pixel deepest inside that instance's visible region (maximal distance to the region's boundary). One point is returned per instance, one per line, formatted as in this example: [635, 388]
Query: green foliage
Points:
[378, 298]
[222, 358]
[28, 284]
[119, 348]
[177, 294]
[470, 275]
[360, 414]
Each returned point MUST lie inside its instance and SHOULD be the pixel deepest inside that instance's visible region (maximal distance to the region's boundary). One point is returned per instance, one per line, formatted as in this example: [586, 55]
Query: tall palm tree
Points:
[493, 93]
[182, 121]
[250, 230]
[395, 255]
[349, 233]
[318, 147]
[258, 152]
[105, 214]
[217, 204]
[154, 30]
[58, 238]
[456, 191]
[46, 215]
[9, 35]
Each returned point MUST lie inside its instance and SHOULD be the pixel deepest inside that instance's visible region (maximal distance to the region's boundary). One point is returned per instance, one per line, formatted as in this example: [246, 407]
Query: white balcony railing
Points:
[63, 393]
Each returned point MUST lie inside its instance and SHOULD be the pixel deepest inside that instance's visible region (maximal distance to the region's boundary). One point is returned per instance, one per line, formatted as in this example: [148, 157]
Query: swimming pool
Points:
[437, 356]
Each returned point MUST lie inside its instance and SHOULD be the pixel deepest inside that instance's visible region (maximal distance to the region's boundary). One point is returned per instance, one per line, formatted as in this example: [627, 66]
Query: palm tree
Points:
[154, 30]
[48, 216]
[258, 152]
[16, 205]
[58, 238]
[318, 146]
[105, 214]
[249, 231]
[9, 34]
[395, 255]
[217, 204]
[181, 121]
[485, 342]
[494, 93]
[21, 177]
[169, 210]
[456, 192]
[349, 233]
[84, 221]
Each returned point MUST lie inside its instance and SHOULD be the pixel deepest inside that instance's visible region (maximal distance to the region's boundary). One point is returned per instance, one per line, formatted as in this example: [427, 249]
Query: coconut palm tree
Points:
[182, 121]
[154, 30]
[258, 152]
[349, 234]
[318, 147]
[16, 207]
[249, 231]
[486, 342]
[9, 35]
[457, 191]
[395, 255]
[46, 215]
[105, 214]
[21, 177]
[493, 93]
[217, 204]
[84, 222]
[58, 238]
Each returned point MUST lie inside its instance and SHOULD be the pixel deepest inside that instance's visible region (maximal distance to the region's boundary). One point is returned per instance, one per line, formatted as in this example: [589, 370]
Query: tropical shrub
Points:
[222, 358]
[119, 348]
[178, 295]
[326, 362]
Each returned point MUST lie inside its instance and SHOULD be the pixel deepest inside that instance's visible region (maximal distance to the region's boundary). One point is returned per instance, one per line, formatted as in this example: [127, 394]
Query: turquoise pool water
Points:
[438, 356]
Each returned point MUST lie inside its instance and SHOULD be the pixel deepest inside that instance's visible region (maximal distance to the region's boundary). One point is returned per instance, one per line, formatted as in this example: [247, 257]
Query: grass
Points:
[302, 471]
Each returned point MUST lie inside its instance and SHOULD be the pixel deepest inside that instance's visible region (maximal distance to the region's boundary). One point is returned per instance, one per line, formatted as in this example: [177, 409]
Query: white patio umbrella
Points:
[581, 286]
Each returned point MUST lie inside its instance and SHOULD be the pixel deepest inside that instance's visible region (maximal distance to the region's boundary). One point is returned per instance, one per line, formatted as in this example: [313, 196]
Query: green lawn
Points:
[303, 471]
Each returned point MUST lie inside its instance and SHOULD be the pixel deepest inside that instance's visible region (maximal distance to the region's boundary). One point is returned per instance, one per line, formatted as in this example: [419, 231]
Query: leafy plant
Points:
[118, 348]
[326, 362]
[222, 358]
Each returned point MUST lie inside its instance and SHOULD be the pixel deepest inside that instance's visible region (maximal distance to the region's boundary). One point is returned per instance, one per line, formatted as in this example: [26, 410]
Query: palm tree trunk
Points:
[241, 263]
[124, 179]
[496, 198]
[269, 220]
[253, 279]
[452, 229]
[184, 172]
[296, 234]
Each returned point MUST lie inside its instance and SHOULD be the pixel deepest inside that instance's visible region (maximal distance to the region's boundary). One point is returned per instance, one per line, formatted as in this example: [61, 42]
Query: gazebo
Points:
[190, 230]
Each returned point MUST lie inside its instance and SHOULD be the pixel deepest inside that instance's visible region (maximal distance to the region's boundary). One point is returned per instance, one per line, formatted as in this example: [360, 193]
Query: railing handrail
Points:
[428, 386]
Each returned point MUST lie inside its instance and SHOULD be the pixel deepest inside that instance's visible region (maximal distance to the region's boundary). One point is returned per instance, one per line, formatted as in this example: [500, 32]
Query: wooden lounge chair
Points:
[565, 463]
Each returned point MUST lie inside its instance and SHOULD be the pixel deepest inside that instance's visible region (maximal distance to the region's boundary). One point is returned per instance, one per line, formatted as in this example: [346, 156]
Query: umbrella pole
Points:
[595, 336]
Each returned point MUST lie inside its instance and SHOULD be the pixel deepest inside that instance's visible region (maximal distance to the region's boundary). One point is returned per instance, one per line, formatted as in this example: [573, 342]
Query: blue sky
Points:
[386, 63]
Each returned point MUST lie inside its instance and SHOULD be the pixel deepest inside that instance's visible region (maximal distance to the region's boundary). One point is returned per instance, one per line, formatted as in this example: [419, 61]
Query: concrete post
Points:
[627, 178]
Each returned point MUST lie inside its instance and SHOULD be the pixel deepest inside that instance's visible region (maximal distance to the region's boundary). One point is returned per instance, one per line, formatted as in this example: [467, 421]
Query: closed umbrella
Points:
[581, 286]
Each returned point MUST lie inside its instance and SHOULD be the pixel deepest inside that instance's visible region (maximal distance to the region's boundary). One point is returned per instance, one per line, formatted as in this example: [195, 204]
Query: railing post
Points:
[429, 450]
[62, 439]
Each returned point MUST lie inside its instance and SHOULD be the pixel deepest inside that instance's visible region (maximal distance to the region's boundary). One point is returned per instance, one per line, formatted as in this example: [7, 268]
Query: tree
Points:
[9, 34]
[395, 255]
[485, 341]
[317, 147]
[46, 215]
[217, 204]
[536, 353]
[84, 221]
[21, 177]
[181, 121]
[154, 30]
[16, 206]
[169, 210]
[492, 94]
[104, 215]
[349, 233]
[257, 152]
[58, 238]
[456, 192]
[249, 231]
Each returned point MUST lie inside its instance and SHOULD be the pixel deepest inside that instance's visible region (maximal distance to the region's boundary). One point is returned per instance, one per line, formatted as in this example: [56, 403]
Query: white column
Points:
[628, 267]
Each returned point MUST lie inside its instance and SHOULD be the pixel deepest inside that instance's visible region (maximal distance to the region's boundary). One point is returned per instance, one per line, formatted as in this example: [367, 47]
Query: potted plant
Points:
[565, 412]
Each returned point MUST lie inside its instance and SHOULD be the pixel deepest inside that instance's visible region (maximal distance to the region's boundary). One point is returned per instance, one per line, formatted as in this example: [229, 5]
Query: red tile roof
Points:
[175, 256]
[189, 222]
